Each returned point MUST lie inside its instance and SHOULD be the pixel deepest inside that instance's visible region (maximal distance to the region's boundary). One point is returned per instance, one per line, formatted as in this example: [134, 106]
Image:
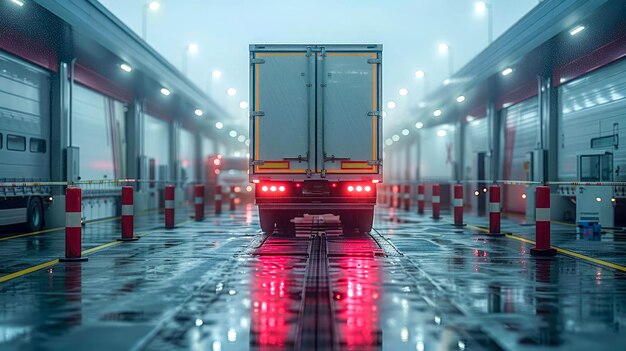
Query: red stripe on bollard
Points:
[494, 210]
[420, 199]
[169, 206]
[127, 214]
[407, 197]
[542, 223]
[232, 198]
[73, 226]
[436, 201]
[218, 199]
[458, 205]
[199, 202]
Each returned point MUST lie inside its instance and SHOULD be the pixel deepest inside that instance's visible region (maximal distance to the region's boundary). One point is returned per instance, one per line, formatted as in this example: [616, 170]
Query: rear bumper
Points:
[318, 207]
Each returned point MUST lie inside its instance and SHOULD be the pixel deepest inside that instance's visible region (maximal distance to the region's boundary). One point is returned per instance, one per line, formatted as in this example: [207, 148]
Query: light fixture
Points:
[419, 74]
[403, 92]
[219, 125]
[507, 71]
[241, 138]
[576, 30]
[192, 48]
[480, 6]
[18, 2]
[243, 105]
[198, 112]
[405, 132]
[216, 73]
[419, 125]
[154, 5]
[437, 113]
[442, 132]
[231, 91]
[446, 81]
[598, 199]
[523, 196]
[443, 48]
[232, 133]
[391, 105]
[395, 137]
[125, 67]
[165, 91]
[389, 142]
[460, 98]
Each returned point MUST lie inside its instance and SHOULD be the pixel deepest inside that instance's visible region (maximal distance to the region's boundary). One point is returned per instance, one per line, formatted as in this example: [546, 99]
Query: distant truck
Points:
[315, 132]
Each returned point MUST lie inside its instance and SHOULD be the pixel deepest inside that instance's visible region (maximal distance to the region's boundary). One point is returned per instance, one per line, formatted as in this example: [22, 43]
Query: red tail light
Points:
[359, 189]
[273, 189]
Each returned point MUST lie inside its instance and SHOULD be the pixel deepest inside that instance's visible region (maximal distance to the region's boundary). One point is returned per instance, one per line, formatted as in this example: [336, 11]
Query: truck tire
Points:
[365, 220]
[285, 226]
[348, 223]
[266, 219]
[34, 214]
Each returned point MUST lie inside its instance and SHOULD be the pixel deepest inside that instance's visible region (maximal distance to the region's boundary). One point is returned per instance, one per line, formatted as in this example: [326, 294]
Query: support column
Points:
[133, 140]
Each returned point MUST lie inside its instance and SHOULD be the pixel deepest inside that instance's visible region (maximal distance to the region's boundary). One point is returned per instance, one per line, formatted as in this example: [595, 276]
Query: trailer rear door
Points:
[348, 117]
[282, 95]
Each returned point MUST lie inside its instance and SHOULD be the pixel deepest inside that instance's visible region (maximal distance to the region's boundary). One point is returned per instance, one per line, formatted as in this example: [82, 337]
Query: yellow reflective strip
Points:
[354, 165]
[275, 165]
[274, 171]
[368, 170]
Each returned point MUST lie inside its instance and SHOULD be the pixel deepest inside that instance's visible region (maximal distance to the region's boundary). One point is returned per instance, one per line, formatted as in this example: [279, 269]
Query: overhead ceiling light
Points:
[576, 30]
[192, 48]
[443, 48]
[219, 125]
[403, 92]
[419, 74]
[405, 132]
[437, 113]
[241, 138]
[395, 137]
[216, 74]
[446, 81]
[243, 105]
[391, 105]
[442, 132]
[154, 5]
[18, 2]
[507, 71]
[126, 67]
[389, 142]
[480, 6]
[232, 133]
[198, 112]
[231, 91]
[419, 125]
[165, 91]
[460, 98]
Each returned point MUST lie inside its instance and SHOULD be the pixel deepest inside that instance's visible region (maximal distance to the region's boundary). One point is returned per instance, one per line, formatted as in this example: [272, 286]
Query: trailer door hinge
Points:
[257, 114]
[374, 61]
[257, 61]
[374, 113]
[257, 163]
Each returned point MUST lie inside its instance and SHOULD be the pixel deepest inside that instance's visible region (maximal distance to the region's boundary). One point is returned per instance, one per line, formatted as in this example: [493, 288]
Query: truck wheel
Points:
[364, 220]
[285, 226]
[34, 214]
[266, 219]
[348, 223]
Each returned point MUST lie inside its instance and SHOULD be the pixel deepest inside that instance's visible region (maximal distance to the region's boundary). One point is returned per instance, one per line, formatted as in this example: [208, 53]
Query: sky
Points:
[410, 31]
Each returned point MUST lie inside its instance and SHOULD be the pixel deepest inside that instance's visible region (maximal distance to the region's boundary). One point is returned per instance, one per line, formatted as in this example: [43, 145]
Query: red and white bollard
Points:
[127, 214]
[73, 226]
[232, 197]
[218, 199]
[542, 223]
[458, 205]
[494, 210]
[420, 199]
[169, 206]
[199, 201]
[407, 197]
[436, 201]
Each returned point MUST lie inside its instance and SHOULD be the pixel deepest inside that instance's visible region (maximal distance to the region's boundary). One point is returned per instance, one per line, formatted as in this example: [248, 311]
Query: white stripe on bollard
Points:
[420, 197]
[169, 203]
[73, 219]
[218, 197]
[436, 199]
[198, 200]
[494, 207]
[542, 214]
[457, 202]
[127, 210]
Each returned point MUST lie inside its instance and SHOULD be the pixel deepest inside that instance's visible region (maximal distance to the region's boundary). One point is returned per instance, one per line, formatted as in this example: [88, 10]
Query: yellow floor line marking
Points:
[562, 251]
[18, 274]
[41, 266]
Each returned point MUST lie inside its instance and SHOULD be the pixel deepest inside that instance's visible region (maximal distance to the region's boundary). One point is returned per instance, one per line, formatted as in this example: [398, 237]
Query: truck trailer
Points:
[315, 133]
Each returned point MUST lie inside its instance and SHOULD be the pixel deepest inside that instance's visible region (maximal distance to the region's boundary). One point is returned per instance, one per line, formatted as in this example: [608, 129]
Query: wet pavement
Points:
[412, 284]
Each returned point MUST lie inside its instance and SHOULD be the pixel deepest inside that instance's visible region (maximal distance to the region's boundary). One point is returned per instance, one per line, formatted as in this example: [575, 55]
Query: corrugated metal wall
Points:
[590, 107]
[521, 123]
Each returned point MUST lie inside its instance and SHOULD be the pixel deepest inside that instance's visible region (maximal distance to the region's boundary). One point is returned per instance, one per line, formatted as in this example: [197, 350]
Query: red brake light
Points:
[273, 188]
[359, 188]
[264, 188]
[367, 188]
[375, 181]
[350, 188]
[281, 188]
[216, 162]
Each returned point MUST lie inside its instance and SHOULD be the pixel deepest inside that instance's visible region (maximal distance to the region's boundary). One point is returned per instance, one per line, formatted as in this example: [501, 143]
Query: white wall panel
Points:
[437, 153]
